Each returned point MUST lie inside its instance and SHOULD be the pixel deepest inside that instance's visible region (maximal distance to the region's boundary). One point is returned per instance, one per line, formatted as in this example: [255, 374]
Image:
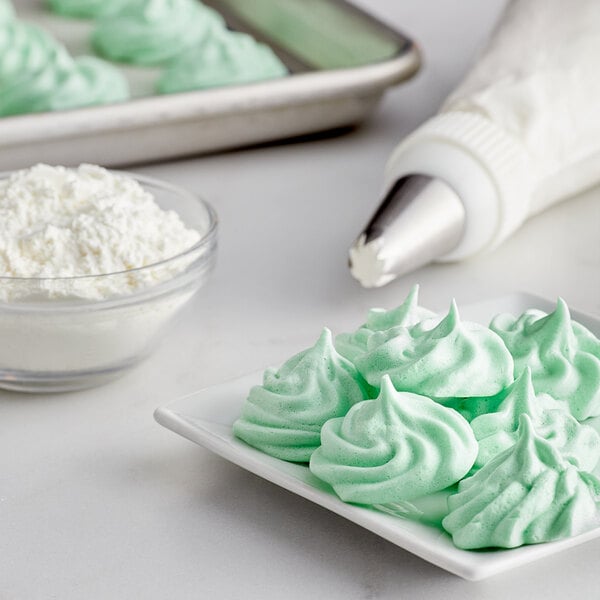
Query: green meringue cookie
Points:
[153, 32]
[222, 58]
[94, 81]
[37, 74]
[398, 447]
[87, 9]
[283, 417]
[7, 12]
[526, 495]
[453, 359]
[353, 345]
[564, 356]
[497, 431]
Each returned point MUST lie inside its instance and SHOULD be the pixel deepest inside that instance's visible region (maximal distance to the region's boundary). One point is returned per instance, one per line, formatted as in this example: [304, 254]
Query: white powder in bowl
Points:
[57, 222]
[76, 303]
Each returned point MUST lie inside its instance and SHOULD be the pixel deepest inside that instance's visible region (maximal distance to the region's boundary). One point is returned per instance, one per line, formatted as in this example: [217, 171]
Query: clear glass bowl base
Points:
[60, 334]
[64, 381]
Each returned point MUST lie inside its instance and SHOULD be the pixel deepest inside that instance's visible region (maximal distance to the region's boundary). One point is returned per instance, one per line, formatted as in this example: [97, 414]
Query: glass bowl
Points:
[62, 334]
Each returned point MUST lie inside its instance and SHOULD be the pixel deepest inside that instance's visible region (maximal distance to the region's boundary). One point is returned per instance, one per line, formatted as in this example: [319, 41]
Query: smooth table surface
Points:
[98, 501]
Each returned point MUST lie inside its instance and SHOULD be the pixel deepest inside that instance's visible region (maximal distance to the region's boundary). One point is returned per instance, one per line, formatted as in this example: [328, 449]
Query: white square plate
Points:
[206, 417]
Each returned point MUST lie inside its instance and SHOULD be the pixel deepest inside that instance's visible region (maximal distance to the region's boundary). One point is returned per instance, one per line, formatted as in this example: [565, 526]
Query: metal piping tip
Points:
[420, 219]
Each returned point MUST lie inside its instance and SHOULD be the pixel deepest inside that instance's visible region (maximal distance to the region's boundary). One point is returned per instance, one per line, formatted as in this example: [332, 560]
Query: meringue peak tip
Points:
[325, 339]
[529, 439]
[410, 303]
[387, 386]
[523, 385]
[412, 297]
[453, 316]
[562, 309]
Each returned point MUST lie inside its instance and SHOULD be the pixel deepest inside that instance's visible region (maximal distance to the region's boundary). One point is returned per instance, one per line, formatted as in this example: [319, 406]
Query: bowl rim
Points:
[206, 237]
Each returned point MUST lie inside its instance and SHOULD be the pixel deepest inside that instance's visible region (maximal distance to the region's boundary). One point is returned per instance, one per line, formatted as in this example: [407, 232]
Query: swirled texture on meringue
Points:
[527, 495]
[153, 32]
[7, 11]
[454, 359]
[283, 417]
[37, 74]
[223, 58]
[87, 9]
[353, 345]
[563, 355]
[397, 447]
[497, 431]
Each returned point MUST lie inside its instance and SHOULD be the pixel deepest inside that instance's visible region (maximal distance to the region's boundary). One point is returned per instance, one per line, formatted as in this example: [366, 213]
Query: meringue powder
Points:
[58, 223]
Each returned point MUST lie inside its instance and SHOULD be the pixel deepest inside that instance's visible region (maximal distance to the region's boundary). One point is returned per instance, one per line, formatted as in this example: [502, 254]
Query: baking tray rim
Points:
[296, 89]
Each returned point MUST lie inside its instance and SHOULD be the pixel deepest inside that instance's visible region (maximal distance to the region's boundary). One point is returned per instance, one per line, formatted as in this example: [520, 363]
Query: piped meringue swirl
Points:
[152, 32]
[453, 359]
[283, 417]
[353, 345]
[87, 9]
[528, 494]
[222, 58]
[564, 356]
[7, 11]
[398, 447]
[497, 431]
[38, 74]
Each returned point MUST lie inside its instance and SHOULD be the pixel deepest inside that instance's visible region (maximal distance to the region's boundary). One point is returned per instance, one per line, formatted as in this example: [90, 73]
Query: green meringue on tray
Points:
[528, 494]
[153, 32]
[452, 359]
[7, 11]
[87, 9]
[221, 59]
[497, 431]
[37, 74]
[353, 345]
[563, 355]
[283, 416]
[398, 447]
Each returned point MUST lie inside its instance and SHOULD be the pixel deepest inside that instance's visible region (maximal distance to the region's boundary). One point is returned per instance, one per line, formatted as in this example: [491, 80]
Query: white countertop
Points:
[98, 501]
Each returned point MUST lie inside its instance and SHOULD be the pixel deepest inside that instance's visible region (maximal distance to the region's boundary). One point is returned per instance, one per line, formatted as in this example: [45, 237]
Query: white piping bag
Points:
[520, 133]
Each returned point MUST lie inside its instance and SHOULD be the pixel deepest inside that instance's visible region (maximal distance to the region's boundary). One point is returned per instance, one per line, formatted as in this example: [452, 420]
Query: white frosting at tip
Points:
[366, 264]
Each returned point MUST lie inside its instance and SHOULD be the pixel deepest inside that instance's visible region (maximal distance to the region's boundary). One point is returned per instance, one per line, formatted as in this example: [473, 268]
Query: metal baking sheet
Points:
[341, 61]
